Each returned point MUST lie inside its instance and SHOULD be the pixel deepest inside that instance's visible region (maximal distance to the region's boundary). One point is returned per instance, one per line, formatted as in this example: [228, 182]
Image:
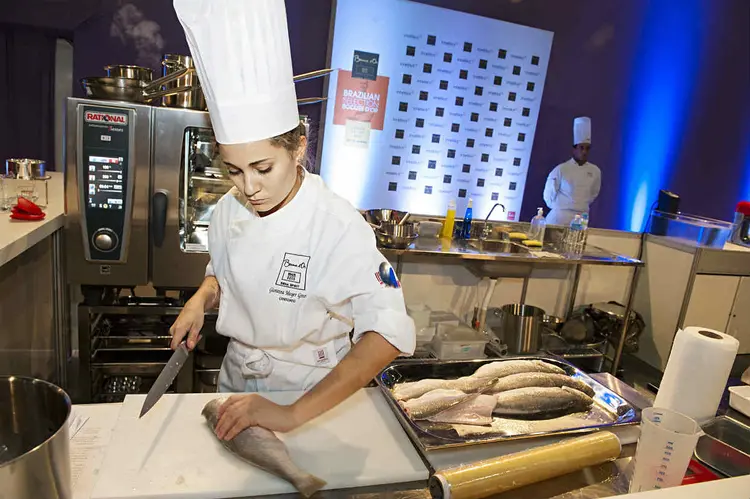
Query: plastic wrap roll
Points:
[494, 476]
[697, 372]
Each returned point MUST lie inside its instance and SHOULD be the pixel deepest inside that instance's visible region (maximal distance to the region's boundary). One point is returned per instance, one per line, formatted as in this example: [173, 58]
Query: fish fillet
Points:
[476, 410]
[526, 380]
[432, 403]
[263, 449]
[414, 389]
[504, 368]
[541, 403]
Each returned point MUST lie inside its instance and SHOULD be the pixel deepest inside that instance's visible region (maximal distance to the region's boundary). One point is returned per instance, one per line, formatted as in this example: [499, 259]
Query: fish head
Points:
[211, 410]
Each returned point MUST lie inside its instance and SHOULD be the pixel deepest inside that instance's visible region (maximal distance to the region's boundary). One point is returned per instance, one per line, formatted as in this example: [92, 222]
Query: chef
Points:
[305, 297]
[572, 186]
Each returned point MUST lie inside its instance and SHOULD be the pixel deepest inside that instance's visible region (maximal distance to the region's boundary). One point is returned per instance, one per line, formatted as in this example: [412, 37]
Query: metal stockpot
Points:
[520, 327]
[131, 90]
[192, 98]
[34, 442]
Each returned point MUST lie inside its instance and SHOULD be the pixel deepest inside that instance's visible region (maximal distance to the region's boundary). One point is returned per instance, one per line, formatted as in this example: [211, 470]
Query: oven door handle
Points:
[159, 203]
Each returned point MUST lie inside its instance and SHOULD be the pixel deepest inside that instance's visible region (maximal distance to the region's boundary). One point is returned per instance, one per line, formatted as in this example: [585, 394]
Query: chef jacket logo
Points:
[365, 65]
[95, 117]
[293, 271]
[386, 276]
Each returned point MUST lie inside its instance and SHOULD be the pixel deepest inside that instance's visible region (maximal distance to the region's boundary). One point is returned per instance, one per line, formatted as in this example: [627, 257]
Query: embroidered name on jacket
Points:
[293, 276]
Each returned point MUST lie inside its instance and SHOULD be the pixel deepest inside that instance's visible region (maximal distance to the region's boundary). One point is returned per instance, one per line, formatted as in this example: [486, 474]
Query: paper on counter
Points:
[76, 422]
[544, 254]
[88, 444]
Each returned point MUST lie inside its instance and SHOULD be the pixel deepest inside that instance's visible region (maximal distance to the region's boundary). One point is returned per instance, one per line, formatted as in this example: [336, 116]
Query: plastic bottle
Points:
[585, 223]
[538, 226]
[575, 235]
[450, 220]
[466, 227]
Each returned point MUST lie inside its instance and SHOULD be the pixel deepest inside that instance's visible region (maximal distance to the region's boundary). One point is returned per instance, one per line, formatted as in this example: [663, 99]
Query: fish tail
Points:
[309, 484]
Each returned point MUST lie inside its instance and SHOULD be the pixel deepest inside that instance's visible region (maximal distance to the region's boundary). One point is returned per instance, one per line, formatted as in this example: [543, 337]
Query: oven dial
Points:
[105, 240]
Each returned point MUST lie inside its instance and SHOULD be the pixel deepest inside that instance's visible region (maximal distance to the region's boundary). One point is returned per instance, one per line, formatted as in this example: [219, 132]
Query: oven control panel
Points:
[105, 175]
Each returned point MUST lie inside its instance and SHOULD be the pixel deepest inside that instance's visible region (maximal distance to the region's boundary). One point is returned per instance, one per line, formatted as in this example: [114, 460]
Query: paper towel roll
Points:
[697, 372]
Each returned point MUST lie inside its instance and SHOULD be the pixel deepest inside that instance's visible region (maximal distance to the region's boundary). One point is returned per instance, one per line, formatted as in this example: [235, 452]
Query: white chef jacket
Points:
[294, 284]
[570, 190]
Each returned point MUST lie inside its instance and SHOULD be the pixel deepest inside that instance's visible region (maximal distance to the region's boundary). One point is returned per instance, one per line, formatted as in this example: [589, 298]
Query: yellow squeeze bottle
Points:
[450, 220]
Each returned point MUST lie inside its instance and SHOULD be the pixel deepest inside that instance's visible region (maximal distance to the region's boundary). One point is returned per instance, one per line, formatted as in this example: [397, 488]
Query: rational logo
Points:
[111, 118]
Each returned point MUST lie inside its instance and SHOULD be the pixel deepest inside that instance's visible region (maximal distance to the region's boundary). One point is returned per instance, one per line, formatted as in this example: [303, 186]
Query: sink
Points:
[497, 246]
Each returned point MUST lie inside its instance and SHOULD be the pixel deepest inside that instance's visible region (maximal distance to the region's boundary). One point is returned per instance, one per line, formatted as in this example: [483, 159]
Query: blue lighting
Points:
[663, 78]
[745, 184]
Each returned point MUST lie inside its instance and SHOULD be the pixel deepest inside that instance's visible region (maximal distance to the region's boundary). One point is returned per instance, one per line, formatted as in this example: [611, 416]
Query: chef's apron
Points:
[561, 217]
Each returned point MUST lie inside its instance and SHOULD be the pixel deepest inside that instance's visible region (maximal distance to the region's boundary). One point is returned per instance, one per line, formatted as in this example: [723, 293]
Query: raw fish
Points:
[262, 448]
[504, 368]
[526, 380]
[541, 403]
[470, 384]
[476, 410]
[432, 403]
[414, 389]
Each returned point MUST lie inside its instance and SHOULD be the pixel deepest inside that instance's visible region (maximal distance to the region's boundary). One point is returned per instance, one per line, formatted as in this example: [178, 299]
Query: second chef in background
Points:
[294, 268]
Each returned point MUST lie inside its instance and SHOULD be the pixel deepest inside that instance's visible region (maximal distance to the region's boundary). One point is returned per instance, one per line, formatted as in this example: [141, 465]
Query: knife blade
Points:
[166, 377]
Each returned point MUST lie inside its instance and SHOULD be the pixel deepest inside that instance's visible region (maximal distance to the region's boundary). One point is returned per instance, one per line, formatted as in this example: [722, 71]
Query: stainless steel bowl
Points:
[392, 235]
[34, 444]
[377, 217]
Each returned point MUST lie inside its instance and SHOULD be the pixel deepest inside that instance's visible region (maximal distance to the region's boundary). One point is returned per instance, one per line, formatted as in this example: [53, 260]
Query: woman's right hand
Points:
[188, 323]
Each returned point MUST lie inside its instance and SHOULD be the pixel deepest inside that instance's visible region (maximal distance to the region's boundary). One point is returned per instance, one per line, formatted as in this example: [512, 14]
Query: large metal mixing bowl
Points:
[377, 217]
[34, 446]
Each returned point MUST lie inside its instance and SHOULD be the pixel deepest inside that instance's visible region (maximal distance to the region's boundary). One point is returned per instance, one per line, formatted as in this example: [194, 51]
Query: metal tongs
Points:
[311, 76]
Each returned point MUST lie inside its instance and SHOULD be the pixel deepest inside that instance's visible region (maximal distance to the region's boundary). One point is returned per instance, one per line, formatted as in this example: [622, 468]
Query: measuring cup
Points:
[664, 450]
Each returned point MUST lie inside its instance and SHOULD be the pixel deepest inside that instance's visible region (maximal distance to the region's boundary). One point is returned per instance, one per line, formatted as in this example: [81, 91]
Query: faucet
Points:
[487, 228]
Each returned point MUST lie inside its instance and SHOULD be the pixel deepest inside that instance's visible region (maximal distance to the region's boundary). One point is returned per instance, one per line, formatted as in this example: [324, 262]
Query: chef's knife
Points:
[168, 374]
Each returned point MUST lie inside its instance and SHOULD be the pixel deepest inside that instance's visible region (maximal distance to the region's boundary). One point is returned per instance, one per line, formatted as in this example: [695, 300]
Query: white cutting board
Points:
[171, 451]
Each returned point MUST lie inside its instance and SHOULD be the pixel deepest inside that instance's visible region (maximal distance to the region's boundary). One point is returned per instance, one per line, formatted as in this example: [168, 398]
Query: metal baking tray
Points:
[725, 446]
[609, 409]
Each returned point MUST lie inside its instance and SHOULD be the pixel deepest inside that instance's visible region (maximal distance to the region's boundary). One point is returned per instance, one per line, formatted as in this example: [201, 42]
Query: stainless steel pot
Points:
[34, 444]
[521, 327]
[132, 72]
[193, 97]
[26, 169]
[132, 90]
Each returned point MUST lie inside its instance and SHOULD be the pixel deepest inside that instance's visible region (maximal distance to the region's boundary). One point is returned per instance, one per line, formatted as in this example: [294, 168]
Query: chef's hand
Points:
[242, 411]
[189, 322]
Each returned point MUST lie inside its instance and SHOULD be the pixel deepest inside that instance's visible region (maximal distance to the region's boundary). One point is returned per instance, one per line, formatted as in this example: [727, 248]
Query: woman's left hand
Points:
[242, 411]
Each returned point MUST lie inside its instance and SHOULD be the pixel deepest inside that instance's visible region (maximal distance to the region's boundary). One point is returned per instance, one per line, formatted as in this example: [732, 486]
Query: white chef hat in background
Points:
[582, 130]
[242, 57]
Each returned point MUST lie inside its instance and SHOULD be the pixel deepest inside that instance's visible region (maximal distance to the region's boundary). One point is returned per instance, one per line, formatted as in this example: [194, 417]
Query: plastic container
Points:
[450, 221]
[425, 336]
[420, 314]
[538, 226]
[664, 450]
[458, 343]
[739, 399]
[692, 230]
[441, 317]
[428, 229]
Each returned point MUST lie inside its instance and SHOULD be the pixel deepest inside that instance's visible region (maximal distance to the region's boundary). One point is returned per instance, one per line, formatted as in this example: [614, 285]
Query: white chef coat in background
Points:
[570, 190]
[293, 286]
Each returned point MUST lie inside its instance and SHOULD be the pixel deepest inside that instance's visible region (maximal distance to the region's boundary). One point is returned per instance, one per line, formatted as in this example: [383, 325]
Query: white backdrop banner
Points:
[428, 105]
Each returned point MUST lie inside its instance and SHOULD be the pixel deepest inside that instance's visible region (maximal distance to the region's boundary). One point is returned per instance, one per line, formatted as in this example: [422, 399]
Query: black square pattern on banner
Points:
[406, 79]
[462, 193]
[443, 84]
[428, 189]
[503, 147]
[447, 179]
[530, 86]
[516, 161]
[498, 172]
[512, 186]
[392, 186]
[431, 164]
[521, 137]
[469, 142]
[525, 111]
[427, 67]
[399, 134]
[478, 90]
[415, 149]
[455, 127]
[498, 80]
[431, 39]
[439, 112]
[535, 60]
[485, 157]
[365, 65]
[495, 196]
[423, 95]
[395, 160]
[410, 50]
[419, 123]
[463, 74]
[447, 57]
[467, 46]
[403, 107]
[474, 117]
[482, 63]
[507, 122]
[459, 101]
[412, 175]
[435, 138]
[489, 132]
[516, 70]
[466, 168]
[512, 96]
[451, 153]
[493, 106]
[480, 182]
[502, 53]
